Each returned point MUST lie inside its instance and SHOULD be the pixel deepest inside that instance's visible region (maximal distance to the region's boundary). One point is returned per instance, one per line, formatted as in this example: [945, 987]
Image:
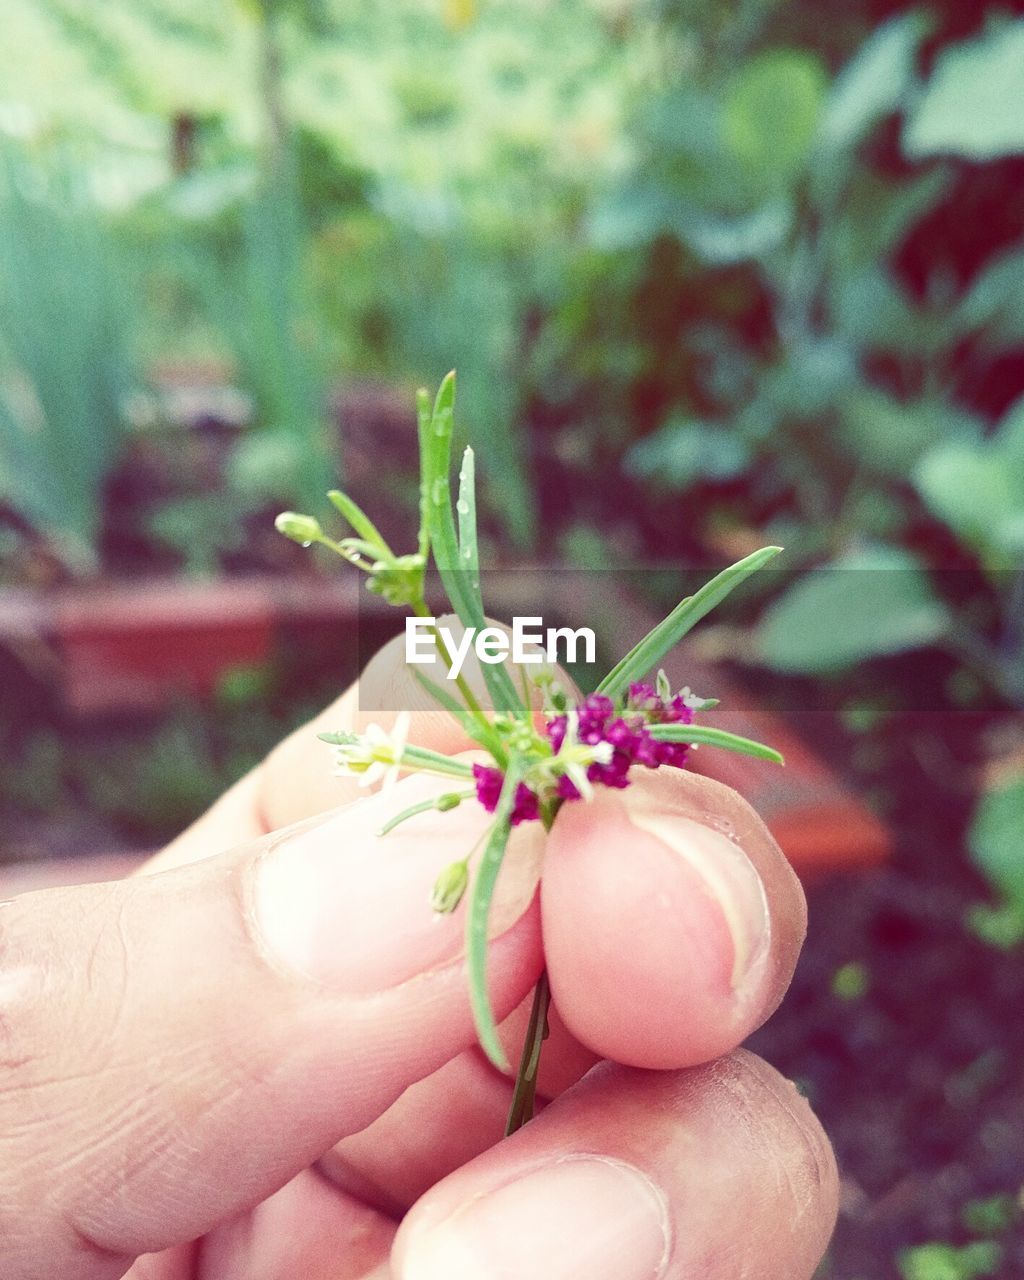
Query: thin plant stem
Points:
[524, 1094]
[419, 608]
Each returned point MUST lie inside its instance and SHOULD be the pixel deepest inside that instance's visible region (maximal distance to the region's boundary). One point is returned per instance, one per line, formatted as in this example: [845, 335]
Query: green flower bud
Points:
[450, 800]
[302, 529]
[398, 579]
[450, 886]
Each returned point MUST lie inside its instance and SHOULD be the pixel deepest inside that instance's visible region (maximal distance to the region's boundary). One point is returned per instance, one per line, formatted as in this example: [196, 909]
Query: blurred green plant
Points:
[759, 167]
[65, 354]
[996, 846]
[947, 1262]
[851, 981]
[968, 106]
[260, 300]
[147, 782]
[991, 1215]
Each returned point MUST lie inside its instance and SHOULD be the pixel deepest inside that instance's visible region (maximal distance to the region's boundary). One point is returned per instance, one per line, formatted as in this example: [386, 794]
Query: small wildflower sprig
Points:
[544, 749]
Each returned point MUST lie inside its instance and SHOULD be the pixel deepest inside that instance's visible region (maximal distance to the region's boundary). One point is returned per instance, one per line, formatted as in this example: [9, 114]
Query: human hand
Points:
[253, 1063]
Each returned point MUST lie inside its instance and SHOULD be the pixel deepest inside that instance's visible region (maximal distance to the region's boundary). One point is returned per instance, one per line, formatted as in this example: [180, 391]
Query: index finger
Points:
[296, 780]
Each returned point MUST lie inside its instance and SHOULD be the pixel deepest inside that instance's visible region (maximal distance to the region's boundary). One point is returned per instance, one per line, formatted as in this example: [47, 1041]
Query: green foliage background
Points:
[712, 273]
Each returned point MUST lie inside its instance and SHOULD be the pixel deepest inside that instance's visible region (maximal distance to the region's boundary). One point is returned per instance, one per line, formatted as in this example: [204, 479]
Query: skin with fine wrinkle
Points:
[169, 1089]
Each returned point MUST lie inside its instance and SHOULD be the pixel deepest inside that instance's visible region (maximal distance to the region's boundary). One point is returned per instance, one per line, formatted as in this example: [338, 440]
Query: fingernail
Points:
[344, 907]
[582, 1216]
[730, 879]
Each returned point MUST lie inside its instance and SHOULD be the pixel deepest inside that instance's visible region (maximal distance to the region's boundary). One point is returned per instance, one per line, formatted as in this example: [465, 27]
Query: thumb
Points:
[174, 1048]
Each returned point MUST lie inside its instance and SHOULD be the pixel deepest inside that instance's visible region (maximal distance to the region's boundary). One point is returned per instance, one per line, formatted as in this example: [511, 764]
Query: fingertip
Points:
[670, 928]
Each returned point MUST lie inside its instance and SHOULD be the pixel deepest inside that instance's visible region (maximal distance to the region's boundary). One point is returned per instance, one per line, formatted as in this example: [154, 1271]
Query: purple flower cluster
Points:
[624, 729]
[489, 782]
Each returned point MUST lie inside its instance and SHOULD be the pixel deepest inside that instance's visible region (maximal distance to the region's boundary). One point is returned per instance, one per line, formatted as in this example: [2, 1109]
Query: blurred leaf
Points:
[890, 436]
[633, 214]
[685, 451]
[458, 14]
[990, 1215]
[771, 114]
[936, 1261]
[874, 601]
[1009, 439]
[66, 356]
[979, 492]
[877, 214]
[971, 106]
[995, 302]
[996, 840]
[808, 382]
[637, 213]
[851, 981]
[201, 528]
[734, 239]
[872, 83]
[266, 464]
[872, 311]
[1001, 926]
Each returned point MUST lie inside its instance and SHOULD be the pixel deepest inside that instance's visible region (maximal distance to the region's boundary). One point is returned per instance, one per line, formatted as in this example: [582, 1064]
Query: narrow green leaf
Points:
[422, 758]
[469, 554]
[699, 733]
[413, 757]
[357, 518]
[481, 895]
[450, 703]
[479, 730]
[435, 463]
[499, 683]
[423, 415]
[667, 634]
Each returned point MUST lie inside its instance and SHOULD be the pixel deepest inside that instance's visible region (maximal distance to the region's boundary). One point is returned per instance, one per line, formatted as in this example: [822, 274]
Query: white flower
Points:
[376, 755]
[574, 757]
[691, 699]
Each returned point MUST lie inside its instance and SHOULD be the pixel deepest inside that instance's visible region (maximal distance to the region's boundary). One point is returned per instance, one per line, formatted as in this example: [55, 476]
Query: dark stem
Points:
[524, 1094]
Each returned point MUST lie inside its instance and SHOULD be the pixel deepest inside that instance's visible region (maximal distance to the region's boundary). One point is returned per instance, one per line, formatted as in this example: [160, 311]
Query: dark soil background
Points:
[915, 1067]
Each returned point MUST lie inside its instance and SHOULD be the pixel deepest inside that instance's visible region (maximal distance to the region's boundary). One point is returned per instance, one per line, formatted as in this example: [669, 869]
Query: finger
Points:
[443, 1121]
[178, 1046]
[307, 1230]
[436, 1126]
[682, 1005]
[672, 920]
[297, 780]
[171, 1264]
[718, 1171]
